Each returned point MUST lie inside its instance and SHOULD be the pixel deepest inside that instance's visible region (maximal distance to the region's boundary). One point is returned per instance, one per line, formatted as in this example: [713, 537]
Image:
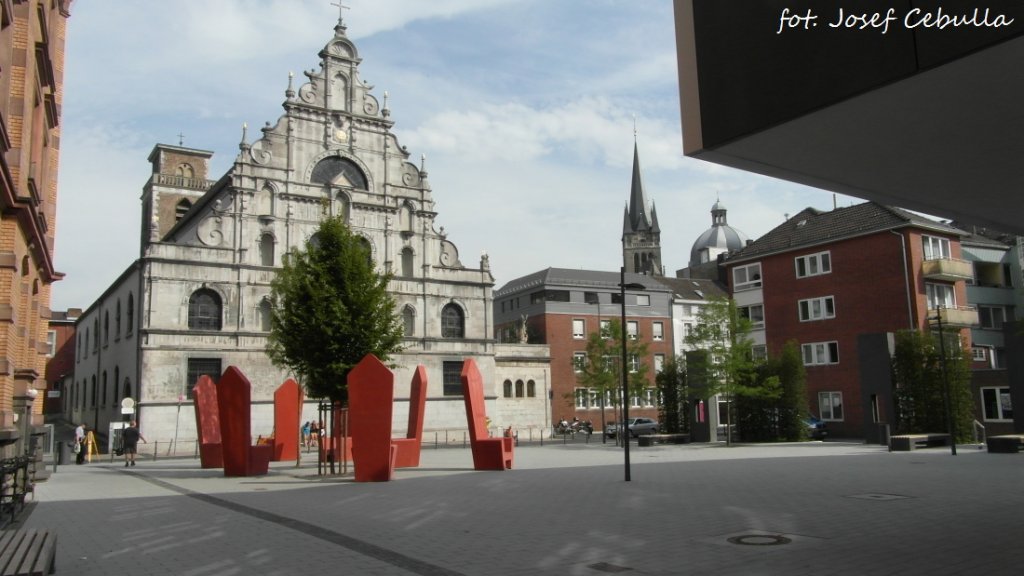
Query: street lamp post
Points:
[625, 369]
[945, 383]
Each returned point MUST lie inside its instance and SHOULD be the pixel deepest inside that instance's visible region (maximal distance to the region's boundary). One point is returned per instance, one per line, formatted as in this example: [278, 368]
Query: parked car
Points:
[637, 427]
[816, 429]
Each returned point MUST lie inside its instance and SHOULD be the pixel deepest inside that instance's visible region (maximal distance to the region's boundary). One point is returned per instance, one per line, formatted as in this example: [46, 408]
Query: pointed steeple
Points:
[654, 220]
[641, 235]
[626, 226]
[638, 217]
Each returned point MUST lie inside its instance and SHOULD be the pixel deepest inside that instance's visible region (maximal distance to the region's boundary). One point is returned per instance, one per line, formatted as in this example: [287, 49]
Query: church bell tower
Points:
[641, 236]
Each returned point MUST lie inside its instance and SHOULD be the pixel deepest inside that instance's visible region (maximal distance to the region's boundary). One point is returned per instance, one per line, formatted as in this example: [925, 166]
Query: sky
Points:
[526, 111]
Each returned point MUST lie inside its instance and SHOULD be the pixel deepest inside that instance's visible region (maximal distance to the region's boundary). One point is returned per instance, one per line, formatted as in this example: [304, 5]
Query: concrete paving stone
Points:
[844, 508]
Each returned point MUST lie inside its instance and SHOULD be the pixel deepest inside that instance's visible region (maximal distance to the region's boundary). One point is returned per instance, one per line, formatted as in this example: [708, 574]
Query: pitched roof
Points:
[694, 288]
[811, 227]
[596, 279]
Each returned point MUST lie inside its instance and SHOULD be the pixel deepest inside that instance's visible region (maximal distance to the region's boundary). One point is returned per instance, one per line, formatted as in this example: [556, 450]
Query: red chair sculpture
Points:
[204, 397]
[488, 453]
[408, 448]
[287, 408]
[371, 390]
[234, 404]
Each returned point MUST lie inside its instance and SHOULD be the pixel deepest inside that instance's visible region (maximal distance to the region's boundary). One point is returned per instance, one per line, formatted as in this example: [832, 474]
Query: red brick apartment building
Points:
[561, 307]
[826, 279]
[60, 368]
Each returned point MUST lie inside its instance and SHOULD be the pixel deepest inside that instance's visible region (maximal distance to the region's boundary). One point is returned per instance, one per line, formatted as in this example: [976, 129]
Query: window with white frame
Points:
[634, 363]
[643, 300]
[813, 264]
[991, 317]
[632, 329]
[606, 329]
[659, 363]
[51, 342]
[817, 308]
[579, 361]
[935, 248]
[746, 277]
[634, 400]
[578, 329]
[817, 353]
[978, 354]
[754, 313]
[759, 352]
[996, 404]
[830, 405]
[582, 396]
[594, 398]
[657, 331]
[650, 397]
[940, 295]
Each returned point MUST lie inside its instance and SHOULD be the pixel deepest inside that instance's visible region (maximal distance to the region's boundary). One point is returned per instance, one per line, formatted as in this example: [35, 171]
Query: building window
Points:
[408, 264]
[996, 404]
[935, 248]
[643, 300]
[582, 398]
[453, 323]
[204, 310]
[820, 353]
[131, 314]
[634, 363]
[754, 313]
[978, 354]
[181, 209]
[51, 342]
[117, 320]
[830, 405]
[579, 361]
[266, 250]
[991, 317]
[659, 363]
[578, 329]
[746, 277]
[606, 329]
[198, 367]
[632, 329]
[817, 308]
[549, 296]
[520, 389]
[940, 295]
[507, 389]
[452, 377]
[531, 389]
[408, 321]
[650, 397]
[759, 353]
[265, 315]
[657, 331]
[813, 264]
[591, 298]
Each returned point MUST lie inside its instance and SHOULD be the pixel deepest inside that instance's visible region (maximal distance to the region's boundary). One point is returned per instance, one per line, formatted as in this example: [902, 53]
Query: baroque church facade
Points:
[197, 299]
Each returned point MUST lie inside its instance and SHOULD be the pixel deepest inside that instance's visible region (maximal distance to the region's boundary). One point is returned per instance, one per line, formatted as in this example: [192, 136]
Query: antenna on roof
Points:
[834, 201]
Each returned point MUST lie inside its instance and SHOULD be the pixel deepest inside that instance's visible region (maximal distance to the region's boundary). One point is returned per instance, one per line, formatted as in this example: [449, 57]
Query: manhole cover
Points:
[760, 540]
[609, 568]
[880, 497]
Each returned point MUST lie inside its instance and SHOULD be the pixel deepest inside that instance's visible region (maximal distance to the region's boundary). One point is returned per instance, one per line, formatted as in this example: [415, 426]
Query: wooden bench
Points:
[909, 442]
[1005, 443]
[652, 439]
[27, 552]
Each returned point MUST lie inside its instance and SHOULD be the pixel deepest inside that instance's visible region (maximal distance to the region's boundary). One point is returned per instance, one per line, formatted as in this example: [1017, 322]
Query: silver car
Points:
[637, 427]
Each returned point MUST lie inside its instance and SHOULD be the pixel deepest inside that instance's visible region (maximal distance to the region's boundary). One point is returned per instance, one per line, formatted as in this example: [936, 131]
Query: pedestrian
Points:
[79, 446]
[130, 436]
[306, 431]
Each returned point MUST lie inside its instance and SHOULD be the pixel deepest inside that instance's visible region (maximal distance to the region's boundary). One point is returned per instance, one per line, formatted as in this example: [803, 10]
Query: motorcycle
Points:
[576, 426]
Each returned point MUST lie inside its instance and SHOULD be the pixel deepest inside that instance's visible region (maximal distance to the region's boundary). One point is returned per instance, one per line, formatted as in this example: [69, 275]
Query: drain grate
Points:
[878, 497]
[609, 568]
[760, 540]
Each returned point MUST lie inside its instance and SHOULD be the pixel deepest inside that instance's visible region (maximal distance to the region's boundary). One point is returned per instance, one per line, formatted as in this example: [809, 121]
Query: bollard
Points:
[156, 446]
[436, 446]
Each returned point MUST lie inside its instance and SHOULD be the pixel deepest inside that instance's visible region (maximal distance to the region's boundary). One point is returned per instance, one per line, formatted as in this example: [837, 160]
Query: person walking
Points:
[79, 446]
[130, 436]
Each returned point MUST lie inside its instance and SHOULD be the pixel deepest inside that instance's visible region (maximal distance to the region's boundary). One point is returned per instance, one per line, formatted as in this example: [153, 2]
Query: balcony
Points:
[960, 317]
[947, 269]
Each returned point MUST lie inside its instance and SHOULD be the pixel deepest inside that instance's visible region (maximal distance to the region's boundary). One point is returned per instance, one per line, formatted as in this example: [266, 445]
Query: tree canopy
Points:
[329, 308]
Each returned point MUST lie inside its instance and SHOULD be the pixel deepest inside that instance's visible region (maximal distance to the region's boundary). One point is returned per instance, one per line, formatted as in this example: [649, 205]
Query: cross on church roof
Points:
[341, 10]
[181, 139]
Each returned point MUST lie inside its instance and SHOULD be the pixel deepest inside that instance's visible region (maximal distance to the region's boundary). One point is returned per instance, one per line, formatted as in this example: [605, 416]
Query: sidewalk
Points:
[826, 508]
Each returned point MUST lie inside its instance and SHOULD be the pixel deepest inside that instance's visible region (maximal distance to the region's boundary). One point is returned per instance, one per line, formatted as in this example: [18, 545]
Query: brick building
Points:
[32, 34]
[825, 279]
[60, 366]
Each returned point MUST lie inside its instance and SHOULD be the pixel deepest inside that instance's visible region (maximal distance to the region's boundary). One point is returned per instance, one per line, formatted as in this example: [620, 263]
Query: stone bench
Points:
[909, 442]
[652, 439]
[27, 552]
[1005, 444]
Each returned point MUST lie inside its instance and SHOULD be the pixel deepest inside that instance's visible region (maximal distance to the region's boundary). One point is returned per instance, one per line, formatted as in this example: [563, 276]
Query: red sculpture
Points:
[204, 397]
[287, 408]
[371, 389]
[408, 448]
[488, 453]
[234, 401]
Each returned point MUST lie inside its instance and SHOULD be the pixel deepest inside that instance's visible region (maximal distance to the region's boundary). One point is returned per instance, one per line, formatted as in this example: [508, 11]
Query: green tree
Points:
[917, 368]
[329, 308]
[673, 413]
[600, 370]
[723, 334]
[773, 407]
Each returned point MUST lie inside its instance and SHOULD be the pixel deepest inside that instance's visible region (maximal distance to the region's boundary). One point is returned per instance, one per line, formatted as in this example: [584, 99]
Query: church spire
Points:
[641, 235]
[638, 216]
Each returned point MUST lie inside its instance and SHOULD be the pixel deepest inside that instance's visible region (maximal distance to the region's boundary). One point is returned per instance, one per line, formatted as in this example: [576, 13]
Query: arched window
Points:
[103, 394]
[407, 262]
[181, 209]
[184, 171]
[117, 320]
[106, 327]
[507, 388]
[338, 172]
[127, 388]
[95, 335]
[409, 321]
[204, 310]
[92, 393]
[265, 315]
[531, 389]
[24, 265]
[267, 250]
[131, 313]
[369, 249]
[117, 378]
[453, 322]
[520, 392]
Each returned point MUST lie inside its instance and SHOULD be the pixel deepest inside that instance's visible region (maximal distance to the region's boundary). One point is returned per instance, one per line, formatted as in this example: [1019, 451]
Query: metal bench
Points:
[27, 552]
[909, 442]
[652, 439]
[1005, 443]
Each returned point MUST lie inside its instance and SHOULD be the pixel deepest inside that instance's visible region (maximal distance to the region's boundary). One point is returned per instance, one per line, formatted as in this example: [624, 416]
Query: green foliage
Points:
[330, 308]
[920, 386]
[600, 368]
[774, 405]
[673, 414]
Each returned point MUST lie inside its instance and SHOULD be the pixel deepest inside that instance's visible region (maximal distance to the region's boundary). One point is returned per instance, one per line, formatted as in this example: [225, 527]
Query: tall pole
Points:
[625, 372]
[945, 383]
